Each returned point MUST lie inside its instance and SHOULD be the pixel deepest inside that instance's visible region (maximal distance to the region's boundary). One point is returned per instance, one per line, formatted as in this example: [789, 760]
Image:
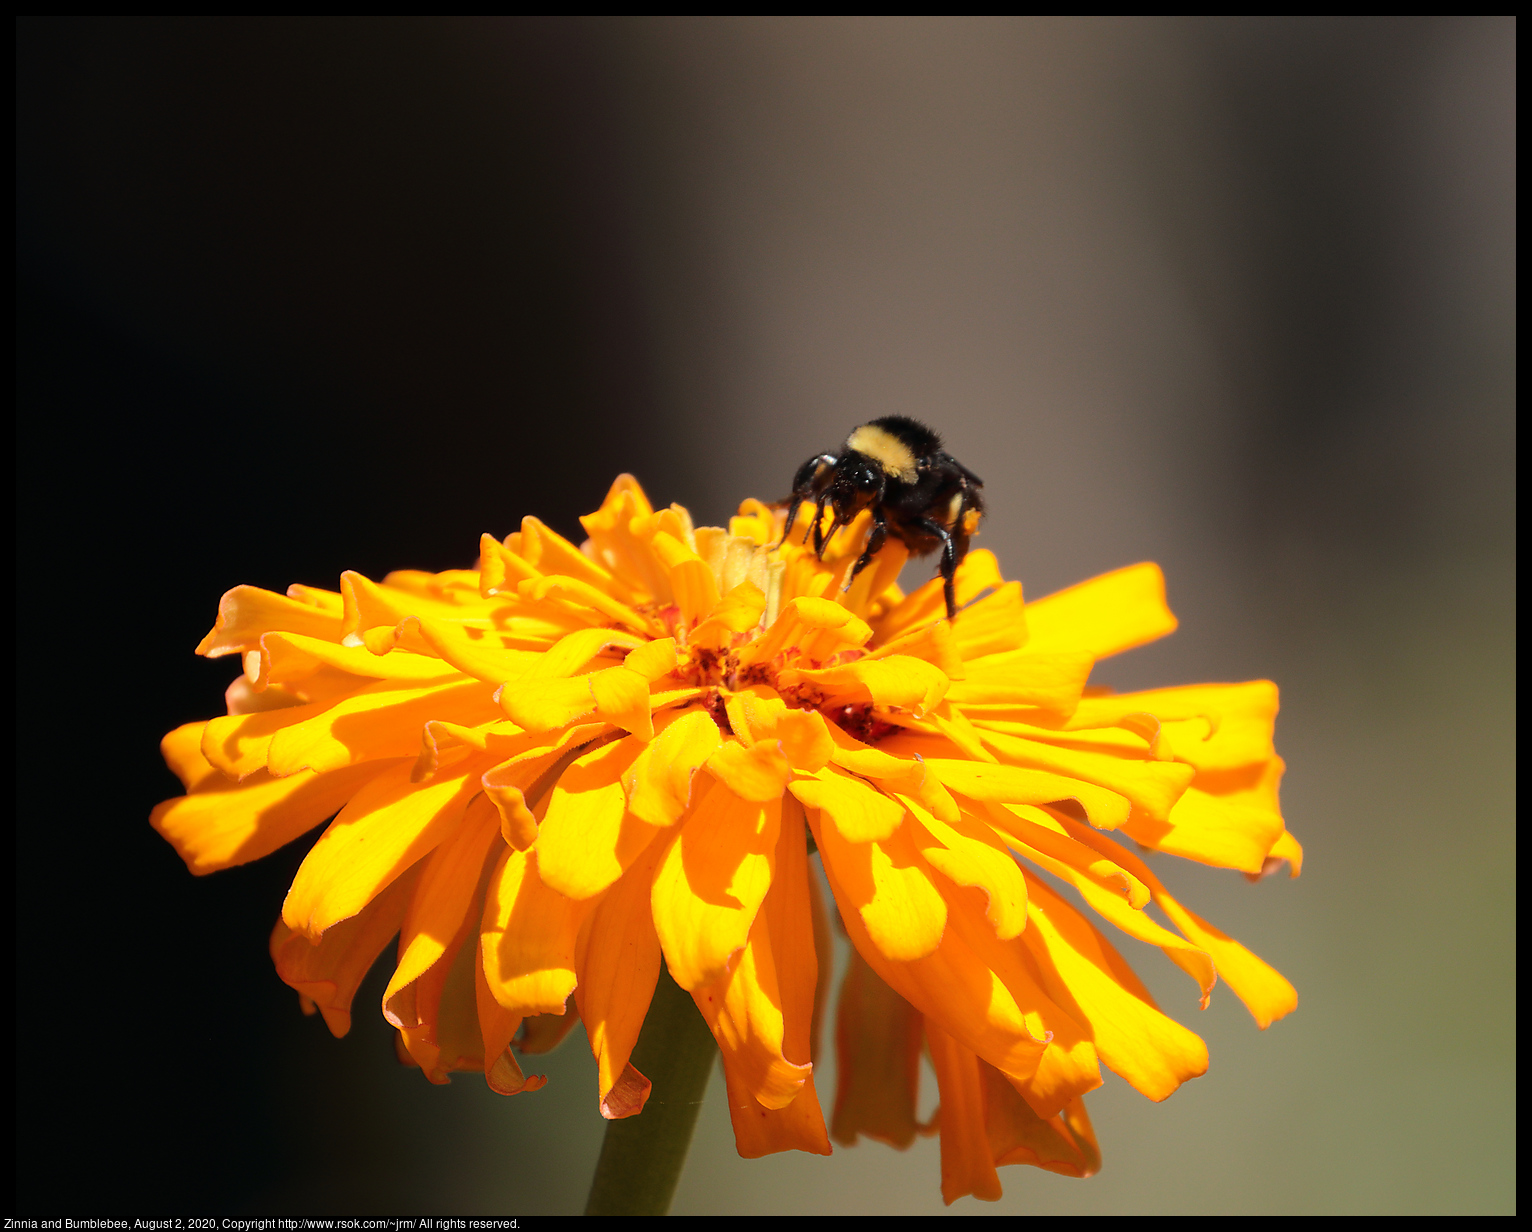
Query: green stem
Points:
[642, 1156]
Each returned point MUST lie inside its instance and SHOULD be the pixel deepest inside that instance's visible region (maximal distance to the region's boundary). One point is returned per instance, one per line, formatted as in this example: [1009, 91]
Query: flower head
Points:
[549, 772]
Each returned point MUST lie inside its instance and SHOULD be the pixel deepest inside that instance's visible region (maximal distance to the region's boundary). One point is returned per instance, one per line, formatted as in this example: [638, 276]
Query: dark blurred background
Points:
[297, 296]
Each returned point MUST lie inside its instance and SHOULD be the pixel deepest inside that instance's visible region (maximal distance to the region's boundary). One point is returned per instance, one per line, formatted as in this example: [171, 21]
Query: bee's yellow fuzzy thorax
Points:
[895, 457]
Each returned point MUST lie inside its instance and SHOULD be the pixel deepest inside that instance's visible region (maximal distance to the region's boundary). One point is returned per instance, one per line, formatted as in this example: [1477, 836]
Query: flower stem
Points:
[642, 1156]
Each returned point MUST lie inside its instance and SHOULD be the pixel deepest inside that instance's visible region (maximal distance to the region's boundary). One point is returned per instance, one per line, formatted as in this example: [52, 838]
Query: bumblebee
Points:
[918, 492]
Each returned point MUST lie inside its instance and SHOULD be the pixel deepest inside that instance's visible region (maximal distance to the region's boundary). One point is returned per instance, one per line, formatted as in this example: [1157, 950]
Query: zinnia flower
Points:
[548, 772]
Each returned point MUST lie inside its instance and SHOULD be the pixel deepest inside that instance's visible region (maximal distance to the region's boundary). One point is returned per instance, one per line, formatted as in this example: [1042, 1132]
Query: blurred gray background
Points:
[1236, 296]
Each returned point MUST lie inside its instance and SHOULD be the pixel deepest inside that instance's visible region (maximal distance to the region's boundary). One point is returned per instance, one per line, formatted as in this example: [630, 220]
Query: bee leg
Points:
[820, 537]
[794, 502]
[875, 541]
[949, 560]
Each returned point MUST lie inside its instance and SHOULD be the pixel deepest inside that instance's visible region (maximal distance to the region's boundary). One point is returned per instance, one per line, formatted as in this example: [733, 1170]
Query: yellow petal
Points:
[737, 612]
[1015, 785]
[934, 643]
[622, 697]
[547, 551]
[1047, 681]
[528, 938]
[385, 827]
[968, 852]
[1155, 1054]
[814, 628]
[977, 572]
[1043, 839]
[1103, 616]
[691, 581]
[756, 772]
[1152, 786]
[618, 540]
[761, 1014]
[890, 888]
[711, 882]
[1213, 727]
[588, 838]
[659, 783]
[1228, 820]
[221, 823]
[745, 1007]
[860, 812]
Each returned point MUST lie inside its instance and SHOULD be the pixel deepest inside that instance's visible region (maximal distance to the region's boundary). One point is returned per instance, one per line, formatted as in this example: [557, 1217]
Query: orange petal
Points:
[994, 624]
[1065, 1144]
[877, 1057]
[898, 682]
[445, 899]
[182, 751]
[1103, 616]
[617, 959]
[384, 828]
[782, 942]
[541, 1033]
[981, 991]
[759, 1131]
[1083, 972]
[222, 824]
[711, 883]
[1265, 992]
[967, 1164]
[815, 628]
[330, 973]
[246, 612]
[380, 720]
[528, 938]
[238, 743]
[289, 658]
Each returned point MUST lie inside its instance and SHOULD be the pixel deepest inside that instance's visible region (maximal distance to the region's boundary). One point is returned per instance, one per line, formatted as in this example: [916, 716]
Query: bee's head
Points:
[858, 483]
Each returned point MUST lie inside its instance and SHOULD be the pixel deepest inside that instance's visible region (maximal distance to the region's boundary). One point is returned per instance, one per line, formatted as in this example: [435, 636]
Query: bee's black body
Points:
[918, 493]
